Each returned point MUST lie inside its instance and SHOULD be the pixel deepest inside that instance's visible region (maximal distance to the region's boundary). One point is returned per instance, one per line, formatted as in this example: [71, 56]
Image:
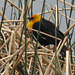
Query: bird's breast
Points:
[30, 25]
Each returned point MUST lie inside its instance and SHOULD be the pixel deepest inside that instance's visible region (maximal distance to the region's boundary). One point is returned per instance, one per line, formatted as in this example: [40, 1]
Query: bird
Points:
[48, 27]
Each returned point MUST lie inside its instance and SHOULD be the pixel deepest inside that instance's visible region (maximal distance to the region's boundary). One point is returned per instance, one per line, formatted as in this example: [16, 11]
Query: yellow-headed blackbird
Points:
[46, 27]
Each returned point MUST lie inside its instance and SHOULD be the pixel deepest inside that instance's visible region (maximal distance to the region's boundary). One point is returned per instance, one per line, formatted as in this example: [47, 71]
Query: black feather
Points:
[49, 28]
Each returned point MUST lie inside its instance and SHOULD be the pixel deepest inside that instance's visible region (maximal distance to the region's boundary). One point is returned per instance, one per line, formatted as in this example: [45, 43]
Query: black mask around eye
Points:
[30, 18]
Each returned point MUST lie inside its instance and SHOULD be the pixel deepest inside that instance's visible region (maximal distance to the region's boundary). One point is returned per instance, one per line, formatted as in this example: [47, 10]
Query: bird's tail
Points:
[63, 52]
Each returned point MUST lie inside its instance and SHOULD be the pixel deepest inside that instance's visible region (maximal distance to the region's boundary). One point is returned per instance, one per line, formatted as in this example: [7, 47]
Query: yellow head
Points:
[33, 19]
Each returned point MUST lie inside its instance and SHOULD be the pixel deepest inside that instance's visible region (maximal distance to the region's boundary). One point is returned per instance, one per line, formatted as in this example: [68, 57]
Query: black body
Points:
[49, 28]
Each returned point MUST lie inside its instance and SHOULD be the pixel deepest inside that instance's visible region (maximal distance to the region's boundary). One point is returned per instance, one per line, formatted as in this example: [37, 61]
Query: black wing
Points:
[49, 28]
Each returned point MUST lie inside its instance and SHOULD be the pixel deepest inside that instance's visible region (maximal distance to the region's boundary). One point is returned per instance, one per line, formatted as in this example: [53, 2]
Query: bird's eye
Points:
[32, 18]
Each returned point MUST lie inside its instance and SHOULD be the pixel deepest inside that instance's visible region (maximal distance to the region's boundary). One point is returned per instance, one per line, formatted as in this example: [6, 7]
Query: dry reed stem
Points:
[22, 15]
[51, 73]
[48, 68]
[40, 53]
[17, 61]
[21, 18]
[29, 7]
[58, 64]
[13, 42]
[13, 5]
[3, 53]
[52, 66]
[9, 4]
[44, 33]
[67, 3]
[40, 58]
[30, 65]
[59, 45]
[67, 44]
[5, 43]
[67, 62]
[70, 70]
[56, 20]
[13, 47]
[5, 18]
[63, 70]
[47, 50]
[60, 9]
[51, 13]
[44, 62]
[6, 30]
[12, 56]
[6, 21]
[66, 16]
[62, 45]
[10, 24]
[56, 15]
[72, 26]
[60, 50]
[10, 43]
[3, 26]
[9, 56]
[7, 69]
[63, 14]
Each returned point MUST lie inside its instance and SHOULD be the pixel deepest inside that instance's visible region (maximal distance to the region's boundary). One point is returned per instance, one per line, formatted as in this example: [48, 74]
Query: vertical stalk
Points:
[32, 9]
[65, 12]
[74, 46]
[11, 13]
[56, 39]
[19, 5]
[68, 27]
[3, 14]
[36, 55]
[25, 1]
[57, 16]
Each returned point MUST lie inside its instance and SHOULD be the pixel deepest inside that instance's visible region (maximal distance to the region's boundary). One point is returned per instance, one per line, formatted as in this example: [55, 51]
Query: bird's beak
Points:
[29, 18]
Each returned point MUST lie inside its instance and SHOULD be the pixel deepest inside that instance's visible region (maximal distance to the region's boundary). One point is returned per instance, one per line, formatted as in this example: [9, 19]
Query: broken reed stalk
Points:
[67, 62]
[70, 71]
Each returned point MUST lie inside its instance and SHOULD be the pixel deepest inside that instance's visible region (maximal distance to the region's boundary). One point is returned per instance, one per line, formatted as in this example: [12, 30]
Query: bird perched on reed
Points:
[46, 27]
